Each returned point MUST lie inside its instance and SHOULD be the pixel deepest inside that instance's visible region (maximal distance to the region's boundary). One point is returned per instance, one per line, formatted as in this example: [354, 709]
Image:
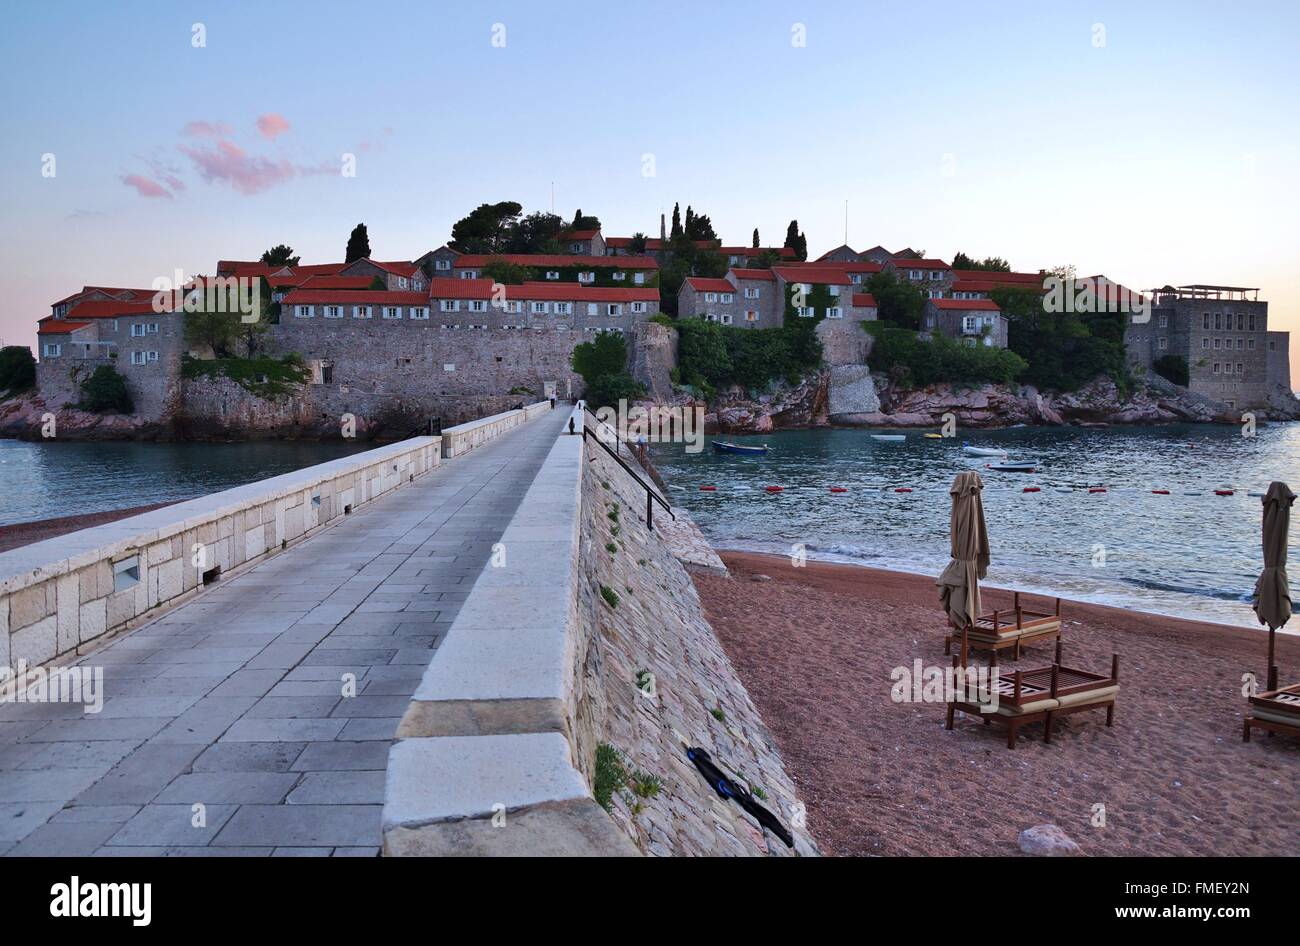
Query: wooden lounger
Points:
[1009, 629]
[1043, 694]
[1274, 711]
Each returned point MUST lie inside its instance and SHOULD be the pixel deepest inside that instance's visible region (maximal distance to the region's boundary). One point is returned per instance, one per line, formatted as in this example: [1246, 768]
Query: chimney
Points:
[663, 232]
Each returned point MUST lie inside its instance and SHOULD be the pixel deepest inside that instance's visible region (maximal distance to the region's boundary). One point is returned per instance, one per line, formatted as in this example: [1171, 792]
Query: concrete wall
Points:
[496, 752]
[459, 440]
[63, 594]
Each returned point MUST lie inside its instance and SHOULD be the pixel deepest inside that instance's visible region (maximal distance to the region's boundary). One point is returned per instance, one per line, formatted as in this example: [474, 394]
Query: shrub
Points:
[915, 362]
[1172, 368]
[17, 368]
[264, 377]
[105, 390]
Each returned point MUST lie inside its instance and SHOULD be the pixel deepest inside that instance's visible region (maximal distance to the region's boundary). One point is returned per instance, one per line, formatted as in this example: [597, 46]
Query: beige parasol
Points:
[1272, 598]
[959, 589]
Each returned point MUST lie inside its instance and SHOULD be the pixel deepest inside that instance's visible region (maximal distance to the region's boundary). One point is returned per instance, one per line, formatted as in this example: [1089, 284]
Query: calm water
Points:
[1187, 555]
[45, 480]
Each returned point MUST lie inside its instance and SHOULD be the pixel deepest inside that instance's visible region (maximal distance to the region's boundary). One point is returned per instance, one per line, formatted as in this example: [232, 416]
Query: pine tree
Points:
[677, 223]
[756, 238]
[358, 244]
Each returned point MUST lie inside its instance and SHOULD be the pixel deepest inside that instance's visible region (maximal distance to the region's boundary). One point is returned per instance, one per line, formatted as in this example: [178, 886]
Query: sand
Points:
[25, 533]
[815, 647]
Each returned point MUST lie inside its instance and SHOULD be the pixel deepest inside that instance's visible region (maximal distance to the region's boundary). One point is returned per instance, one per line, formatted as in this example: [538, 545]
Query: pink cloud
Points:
[227, 162]
[145, 187]
[272, 124]
[207, 129]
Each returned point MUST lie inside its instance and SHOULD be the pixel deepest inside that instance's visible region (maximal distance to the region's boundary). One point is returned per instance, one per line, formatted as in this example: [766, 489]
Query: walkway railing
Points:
[651, 497]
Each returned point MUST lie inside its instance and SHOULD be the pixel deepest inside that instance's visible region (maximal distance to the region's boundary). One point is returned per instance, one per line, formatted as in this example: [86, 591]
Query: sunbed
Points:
[1013, 629]
[1274, 711]
[1044, 694]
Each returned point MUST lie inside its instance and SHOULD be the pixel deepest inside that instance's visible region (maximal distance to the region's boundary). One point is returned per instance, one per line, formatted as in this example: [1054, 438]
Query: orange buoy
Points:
[1097, 489]
[838, 489]
[1223, 492]
[708, 489]
[1161, 492]
[775, 489]
[903, 489]
[1031, 489]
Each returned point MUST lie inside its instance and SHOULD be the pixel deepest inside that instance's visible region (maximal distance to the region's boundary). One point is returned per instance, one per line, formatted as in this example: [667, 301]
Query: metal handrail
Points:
[651, 496]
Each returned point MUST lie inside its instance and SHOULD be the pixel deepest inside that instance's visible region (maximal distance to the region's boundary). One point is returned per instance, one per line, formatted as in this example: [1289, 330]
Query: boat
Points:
[722, 446]
[889, 438]
[1013, 466]
[933, 436]
[982, 451]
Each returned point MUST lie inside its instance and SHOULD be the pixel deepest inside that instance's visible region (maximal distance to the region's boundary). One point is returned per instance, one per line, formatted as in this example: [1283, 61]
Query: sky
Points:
[1155, 143]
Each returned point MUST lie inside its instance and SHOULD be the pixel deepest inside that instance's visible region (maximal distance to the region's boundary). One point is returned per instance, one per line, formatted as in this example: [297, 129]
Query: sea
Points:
[1089, 524]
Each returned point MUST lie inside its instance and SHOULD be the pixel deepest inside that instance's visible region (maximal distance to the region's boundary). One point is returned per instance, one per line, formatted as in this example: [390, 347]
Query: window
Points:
[152, 355]
[538, 308]
[1164, 343]
[834, 290]
[726, 319]
[593, 308]
[1164, 321]
[710, 297]
[586, 277]
[332, 311]
[511, 306]
[1241, 322]
[137, 329]
[1205, 343]
[639, 278]
[1205, 321]
[834, 312]
[614, 309]
[392, 312]
[751, 316]
[1271, 345]
[727, 297]
[361, 312]
[53, 350]
[1218, 343]
[935, 275]
[449, 305]
[1216, 367]
[620, 277]
[143, 357]
[914, 274]
[855, 278]
[402, 282]
[1240, 343]
[469, 274]
[477, 305]
[564, 308]
[1250, 344]
[1218, 320]
[420, 312]
[970, 323]
[751, 292]
[575, 247]
[1241, 368]
[442, 264]
[804, 312]
[638, 307]
[935, 293]
[1252, 321]
[449, 367]
[302, 312]
[552, 274]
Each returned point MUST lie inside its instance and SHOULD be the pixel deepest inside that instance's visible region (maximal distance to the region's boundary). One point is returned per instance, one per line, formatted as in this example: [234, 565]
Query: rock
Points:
[1047, 840]
[760, 577]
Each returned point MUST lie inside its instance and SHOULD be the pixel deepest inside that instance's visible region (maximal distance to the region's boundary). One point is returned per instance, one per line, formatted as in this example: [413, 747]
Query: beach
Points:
[815, 647]
[17, 534]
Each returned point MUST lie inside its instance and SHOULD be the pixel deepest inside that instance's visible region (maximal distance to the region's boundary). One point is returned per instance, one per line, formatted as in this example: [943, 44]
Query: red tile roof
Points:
[985, 275]
[400, 268]
[864, 300]
[966, 305]
[319, 269]
[246, 268]
[542, 260]
[580, 235]
[764, 274]
[750, 252]
[859, 266]
[703, 284]
[117, 293]
[622, 243]
[920, 264]
[335, 282]
[353, 297]
[59, 326]
[827, 275]
[539, 291]
[111, 309]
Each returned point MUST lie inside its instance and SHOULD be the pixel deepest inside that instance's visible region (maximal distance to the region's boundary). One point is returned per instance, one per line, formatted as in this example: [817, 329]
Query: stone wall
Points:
[539, 673]
[652, 356]
[459, 440]
[62, 595]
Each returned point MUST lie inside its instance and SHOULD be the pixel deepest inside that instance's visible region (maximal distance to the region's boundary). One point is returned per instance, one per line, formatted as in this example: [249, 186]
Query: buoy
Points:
[775, 489]
[903, 489]
[708, 489]
[1223, 492]
[1097, 489]
[1161, 492]
[1031, 489]
[838, 489]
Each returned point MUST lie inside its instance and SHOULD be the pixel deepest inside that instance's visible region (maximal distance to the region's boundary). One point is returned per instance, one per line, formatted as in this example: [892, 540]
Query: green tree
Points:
[507, 273]
[602, 363]
[764, 260]
[1065, 350]
[280, 255]
[796, 241]
[486, 229]
[698, 226]
[637, 245]
[105, 390]
[676, 230]
[536, 233]
[582, 221]
[993, 264]
[17, 368]
[754, 245]
[1172, 368]
[378, 284]
[897, 302]
[358, 244]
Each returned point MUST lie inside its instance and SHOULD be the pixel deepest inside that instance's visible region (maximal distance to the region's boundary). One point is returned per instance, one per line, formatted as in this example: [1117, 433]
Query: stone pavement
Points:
[234, 701]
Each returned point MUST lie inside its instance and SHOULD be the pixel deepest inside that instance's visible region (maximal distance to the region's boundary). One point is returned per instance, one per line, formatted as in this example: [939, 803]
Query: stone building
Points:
[933, 276]
[978, 283]
[438, 263]
[1222, 333]
[969, 321]
[584, 270]
[584, 242]
[397, 276]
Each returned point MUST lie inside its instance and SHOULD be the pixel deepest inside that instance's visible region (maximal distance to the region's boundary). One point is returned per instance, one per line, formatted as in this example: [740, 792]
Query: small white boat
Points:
[889, 438]
[982, 451]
